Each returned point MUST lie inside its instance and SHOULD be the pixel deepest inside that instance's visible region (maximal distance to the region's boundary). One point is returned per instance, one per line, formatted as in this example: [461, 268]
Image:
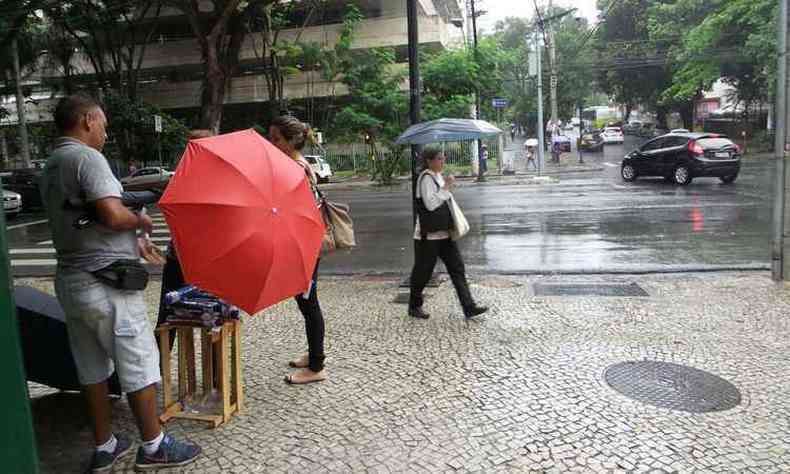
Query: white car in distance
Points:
[612, 135]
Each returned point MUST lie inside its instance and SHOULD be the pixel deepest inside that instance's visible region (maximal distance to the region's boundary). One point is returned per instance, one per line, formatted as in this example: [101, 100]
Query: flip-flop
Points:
[290, 380]
[300, 363]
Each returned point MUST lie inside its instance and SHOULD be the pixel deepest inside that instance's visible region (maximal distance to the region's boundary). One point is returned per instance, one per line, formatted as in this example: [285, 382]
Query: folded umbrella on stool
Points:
[45, 341]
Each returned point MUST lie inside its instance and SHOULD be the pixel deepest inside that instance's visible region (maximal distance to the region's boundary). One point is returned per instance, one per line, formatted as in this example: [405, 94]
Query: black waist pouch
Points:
[124, 275]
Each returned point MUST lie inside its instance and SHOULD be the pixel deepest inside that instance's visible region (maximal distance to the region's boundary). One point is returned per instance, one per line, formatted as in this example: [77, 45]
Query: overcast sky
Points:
[500, 9]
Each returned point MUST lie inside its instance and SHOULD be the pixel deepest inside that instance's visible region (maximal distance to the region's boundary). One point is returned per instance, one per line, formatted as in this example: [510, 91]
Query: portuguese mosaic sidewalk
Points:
[523, 389]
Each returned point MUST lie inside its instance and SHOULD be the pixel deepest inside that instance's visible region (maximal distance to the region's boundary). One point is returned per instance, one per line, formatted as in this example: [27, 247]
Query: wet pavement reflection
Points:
[587, 222]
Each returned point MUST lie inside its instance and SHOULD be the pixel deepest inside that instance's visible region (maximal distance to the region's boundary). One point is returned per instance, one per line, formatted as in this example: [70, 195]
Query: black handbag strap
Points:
[423, 175]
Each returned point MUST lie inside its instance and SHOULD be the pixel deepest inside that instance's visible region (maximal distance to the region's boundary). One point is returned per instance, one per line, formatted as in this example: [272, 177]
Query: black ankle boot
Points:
[418, 313]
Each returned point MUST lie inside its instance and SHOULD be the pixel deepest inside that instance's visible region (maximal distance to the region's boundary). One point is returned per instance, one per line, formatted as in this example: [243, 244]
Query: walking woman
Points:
[433, 201]
[290, 135]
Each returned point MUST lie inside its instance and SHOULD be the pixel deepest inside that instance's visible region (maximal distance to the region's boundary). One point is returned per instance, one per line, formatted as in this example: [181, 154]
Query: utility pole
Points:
[541, 131]
[553, 69]
[480, 161]
[24, 147]
[778, 261]
[414, 95]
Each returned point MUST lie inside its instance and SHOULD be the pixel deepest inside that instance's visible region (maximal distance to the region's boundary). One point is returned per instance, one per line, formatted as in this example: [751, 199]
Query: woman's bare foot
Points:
[300, 362]
[305, 376]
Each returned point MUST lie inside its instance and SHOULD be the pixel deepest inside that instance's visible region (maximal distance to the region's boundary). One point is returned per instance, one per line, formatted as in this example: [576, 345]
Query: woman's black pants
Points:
[426, 253]
[313, 324]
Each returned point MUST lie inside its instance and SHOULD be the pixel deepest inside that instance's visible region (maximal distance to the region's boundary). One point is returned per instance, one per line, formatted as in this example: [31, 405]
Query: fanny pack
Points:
[124, 275]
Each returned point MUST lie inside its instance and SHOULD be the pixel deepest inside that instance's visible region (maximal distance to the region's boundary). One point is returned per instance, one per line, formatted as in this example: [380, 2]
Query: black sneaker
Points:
[171, 453]
[418, 313]
[103, 461]
[474, 311]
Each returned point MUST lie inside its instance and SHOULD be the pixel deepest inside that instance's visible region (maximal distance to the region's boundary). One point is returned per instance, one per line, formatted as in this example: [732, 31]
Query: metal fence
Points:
[356, 156]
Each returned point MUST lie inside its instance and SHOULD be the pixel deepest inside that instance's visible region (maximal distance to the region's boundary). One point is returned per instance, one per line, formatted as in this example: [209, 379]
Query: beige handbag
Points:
[339, 226]
[460, 224]
[337, 218]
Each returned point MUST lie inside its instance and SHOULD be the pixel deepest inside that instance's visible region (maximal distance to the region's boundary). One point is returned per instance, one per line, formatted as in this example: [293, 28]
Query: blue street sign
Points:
[499, 103]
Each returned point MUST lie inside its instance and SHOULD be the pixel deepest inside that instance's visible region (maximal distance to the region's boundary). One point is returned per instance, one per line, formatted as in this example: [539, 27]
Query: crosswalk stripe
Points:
[50, 251]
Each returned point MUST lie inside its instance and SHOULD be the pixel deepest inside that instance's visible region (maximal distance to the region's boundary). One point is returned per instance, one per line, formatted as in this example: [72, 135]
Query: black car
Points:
[681, 157]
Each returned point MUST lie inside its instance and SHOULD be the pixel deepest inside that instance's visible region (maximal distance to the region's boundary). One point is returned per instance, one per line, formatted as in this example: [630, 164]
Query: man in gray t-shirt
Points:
[75, 177]
[108, 327]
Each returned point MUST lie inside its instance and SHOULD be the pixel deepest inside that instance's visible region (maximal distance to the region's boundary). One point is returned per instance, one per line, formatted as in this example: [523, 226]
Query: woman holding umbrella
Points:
[290, 135]
[433, 201]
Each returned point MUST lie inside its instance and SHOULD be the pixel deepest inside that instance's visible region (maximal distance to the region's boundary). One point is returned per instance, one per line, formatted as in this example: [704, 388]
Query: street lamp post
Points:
[480, 161]
[780, 147]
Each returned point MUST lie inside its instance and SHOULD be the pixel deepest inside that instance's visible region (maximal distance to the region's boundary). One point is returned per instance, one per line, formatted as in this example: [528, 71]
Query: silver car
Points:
[12, 203]
[147, 178]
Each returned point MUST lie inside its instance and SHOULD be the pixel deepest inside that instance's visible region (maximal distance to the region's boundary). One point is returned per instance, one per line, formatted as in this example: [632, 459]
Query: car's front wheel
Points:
[682, 175]
[628, 173]
[729, 178]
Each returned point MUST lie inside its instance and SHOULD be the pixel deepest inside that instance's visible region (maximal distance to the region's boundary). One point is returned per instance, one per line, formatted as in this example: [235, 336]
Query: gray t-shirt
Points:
[78, 174]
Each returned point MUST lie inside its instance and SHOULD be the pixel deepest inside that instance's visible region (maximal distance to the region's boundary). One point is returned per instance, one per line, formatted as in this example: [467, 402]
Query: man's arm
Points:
[114, 215]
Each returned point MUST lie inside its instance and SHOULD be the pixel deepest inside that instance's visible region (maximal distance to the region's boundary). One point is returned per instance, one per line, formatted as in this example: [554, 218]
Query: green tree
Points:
[377, 110]
[113, 34]
[732, 40]
[449, 79]
[132, 135]
[220, 34]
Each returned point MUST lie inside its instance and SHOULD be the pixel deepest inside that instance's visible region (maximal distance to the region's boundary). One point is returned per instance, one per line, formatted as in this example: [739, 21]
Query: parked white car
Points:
[147, 178]
[679, 130]
[612, 135]
[12, 203]
[321, 168]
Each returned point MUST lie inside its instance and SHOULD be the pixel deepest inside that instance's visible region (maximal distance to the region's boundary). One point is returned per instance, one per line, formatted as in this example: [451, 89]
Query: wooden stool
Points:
[214, 349]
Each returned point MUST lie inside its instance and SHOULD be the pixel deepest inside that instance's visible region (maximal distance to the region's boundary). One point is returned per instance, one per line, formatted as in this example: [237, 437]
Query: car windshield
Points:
[714, 143]
[310, 159]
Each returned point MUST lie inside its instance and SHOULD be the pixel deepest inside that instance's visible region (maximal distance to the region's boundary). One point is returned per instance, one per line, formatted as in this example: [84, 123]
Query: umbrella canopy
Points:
[447, 130]
[244, 220]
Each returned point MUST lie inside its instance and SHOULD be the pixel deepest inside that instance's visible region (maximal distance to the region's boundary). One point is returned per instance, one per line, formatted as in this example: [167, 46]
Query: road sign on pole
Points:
[498, 103]
[158, 123]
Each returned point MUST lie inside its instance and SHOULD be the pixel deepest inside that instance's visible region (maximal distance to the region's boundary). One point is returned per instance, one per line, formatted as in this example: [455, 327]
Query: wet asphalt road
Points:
[587, 222]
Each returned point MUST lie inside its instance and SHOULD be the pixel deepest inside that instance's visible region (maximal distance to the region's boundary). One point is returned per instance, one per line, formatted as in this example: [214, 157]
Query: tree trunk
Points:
[686, 111]
[213, 96]
[3, 149]
[628, 110]
[661, 117]
[24, 144]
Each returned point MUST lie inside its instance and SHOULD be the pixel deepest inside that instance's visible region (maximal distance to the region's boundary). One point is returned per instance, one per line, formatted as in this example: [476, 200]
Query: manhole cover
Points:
[551, 289]
[672, 386]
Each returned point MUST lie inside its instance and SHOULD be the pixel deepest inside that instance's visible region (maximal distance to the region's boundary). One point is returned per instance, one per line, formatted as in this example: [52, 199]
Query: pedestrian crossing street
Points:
[42, 255]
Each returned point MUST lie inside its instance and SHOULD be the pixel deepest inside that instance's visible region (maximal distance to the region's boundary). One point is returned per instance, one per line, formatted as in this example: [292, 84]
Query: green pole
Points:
[17, 440]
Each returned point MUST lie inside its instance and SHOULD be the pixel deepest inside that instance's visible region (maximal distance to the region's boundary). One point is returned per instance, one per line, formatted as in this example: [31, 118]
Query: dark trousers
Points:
[313, 324]
[426, 253]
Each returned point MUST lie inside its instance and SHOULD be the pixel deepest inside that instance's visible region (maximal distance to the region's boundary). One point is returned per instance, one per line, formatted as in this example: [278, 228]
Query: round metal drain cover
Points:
[672, 386]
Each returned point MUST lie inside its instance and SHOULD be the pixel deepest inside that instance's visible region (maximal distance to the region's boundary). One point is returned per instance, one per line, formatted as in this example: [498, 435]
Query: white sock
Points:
[150, 447]
[109, 446]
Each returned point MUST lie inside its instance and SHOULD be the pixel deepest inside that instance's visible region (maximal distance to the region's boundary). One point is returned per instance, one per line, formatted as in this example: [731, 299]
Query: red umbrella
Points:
[244, 220]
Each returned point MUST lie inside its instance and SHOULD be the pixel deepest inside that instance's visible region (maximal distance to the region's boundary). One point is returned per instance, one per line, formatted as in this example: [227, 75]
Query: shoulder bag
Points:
[433, 221]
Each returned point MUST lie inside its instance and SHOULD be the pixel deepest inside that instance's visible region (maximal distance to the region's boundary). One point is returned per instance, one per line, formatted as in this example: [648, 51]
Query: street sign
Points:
[499, 103]
[158, 123]
[554, 82]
